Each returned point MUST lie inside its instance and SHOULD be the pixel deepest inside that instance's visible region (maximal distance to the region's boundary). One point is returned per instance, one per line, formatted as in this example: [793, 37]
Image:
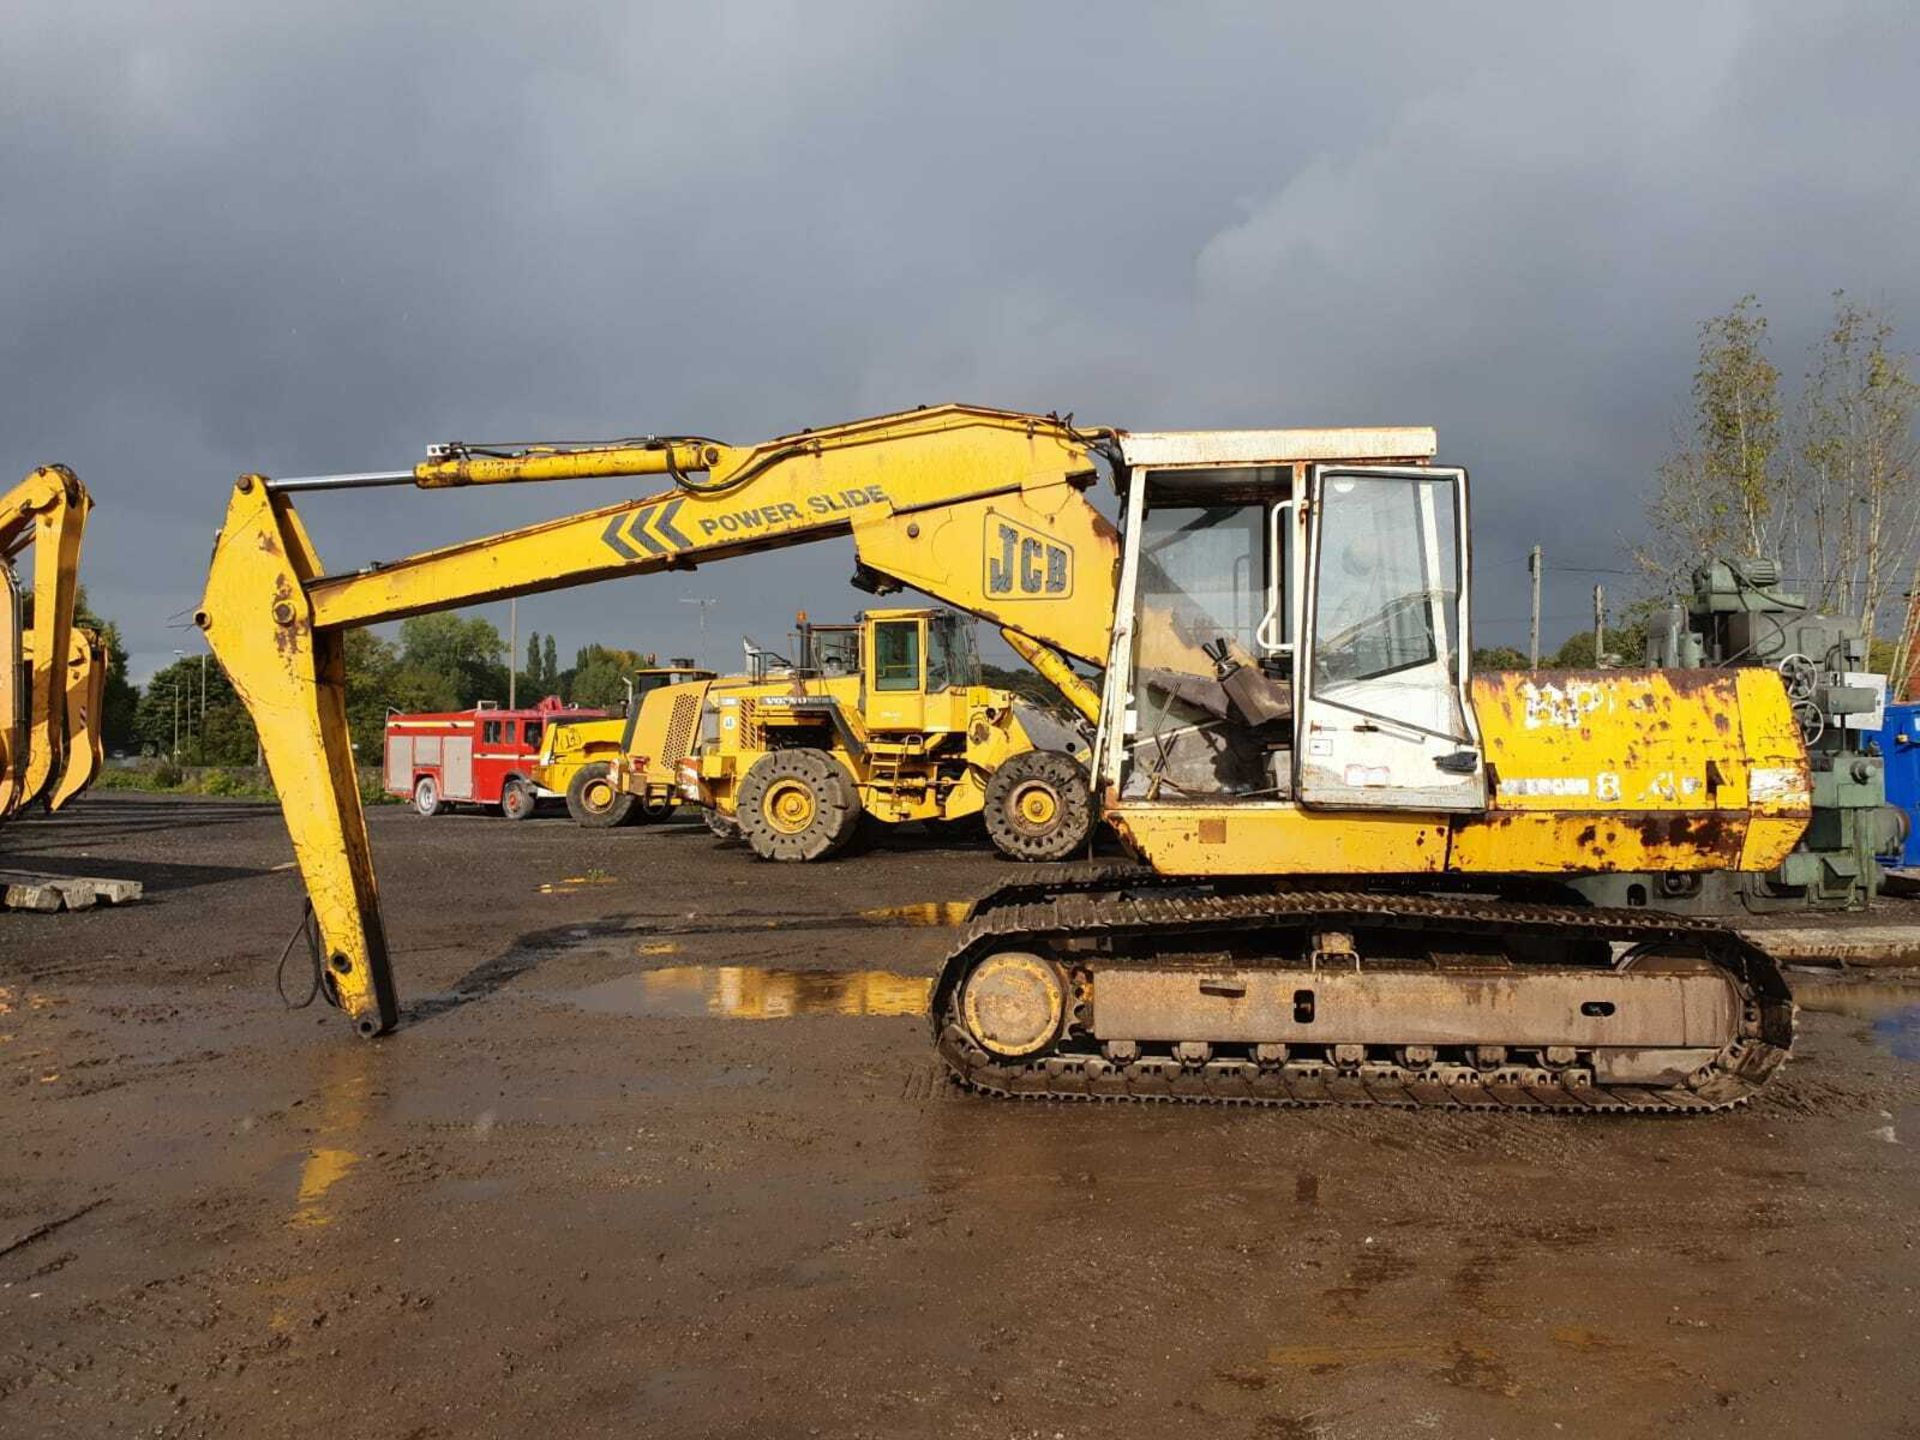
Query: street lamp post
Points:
[181, 655]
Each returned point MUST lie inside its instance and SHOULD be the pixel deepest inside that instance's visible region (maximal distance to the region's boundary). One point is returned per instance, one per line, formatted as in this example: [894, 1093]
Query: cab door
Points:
[1384, 720]
[896, 675]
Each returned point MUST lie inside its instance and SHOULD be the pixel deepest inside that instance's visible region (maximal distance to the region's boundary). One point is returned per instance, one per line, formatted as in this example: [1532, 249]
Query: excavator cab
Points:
[1299, 633]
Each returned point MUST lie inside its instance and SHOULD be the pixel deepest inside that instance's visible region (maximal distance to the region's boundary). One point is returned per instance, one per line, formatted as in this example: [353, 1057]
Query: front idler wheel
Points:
[1012, 1004]
[1040, 806]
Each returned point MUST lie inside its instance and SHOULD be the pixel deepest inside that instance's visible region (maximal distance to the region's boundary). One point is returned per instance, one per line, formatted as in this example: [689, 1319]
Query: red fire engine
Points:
[482, 756]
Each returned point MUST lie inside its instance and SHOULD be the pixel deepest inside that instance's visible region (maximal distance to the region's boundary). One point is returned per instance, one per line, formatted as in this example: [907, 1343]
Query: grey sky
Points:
[310, 236]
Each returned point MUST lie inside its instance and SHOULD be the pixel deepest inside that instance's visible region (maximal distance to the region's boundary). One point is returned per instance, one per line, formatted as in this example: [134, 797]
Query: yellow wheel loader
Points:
[52, 671]
[886, 719]
[1352, 852]
[590, 761]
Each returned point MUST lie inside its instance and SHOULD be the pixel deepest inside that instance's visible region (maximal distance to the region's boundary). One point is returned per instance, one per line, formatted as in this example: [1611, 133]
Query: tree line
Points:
[190, 711]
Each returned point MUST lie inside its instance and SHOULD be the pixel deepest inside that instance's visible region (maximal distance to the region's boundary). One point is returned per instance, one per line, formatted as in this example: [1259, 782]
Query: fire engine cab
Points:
[482, 756]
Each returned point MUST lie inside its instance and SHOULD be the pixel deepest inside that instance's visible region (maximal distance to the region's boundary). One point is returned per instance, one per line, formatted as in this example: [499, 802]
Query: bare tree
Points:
[1856, 468]
[1720, 495]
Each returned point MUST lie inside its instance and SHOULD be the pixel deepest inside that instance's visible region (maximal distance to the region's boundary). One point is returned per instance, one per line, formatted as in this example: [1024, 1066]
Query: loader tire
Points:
[798, 805]
[593, 802]
[1040, 807]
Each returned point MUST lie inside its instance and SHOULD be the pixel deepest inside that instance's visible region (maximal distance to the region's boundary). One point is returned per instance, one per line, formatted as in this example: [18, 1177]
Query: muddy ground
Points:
[662, 1150]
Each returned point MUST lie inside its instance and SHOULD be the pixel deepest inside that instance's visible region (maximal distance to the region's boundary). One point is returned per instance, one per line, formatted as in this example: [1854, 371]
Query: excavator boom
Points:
[984, 510]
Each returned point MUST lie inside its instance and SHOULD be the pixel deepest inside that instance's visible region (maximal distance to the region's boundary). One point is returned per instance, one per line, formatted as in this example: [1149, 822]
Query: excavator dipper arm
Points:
[86, 692]
[984, 510]
[47, 514]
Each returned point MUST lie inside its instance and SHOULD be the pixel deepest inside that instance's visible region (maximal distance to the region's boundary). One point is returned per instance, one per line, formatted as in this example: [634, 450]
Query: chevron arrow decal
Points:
[611, 538]
[648, 531]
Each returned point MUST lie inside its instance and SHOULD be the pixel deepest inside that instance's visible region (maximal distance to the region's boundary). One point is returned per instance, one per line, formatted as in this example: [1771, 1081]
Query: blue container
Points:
[1900, 743]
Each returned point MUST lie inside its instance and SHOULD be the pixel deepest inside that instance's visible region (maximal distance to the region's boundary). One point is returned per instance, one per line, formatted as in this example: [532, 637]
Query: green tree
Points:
[549, 667]
[1721, 494]
[1499, 657]
[467, 654]
[121, 697]
[190, 711]
[1628, 641]
[599, 677]
[1857, 467]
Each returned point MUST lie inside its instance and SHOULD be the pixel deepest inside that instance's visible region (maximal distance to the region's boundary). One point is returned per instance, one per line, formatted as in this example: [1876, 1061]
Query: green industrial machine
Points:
[1738, 615]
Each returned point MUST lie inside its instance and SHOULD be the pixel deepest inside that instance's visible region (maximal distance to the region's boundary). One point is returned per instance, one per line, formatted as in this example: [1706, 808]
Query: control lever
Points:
[1259, 698]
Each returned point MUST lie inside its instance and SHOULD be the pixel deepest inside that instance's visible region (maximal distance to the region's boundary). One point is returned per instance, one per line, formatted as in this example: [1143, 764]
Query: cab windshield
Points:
[951, 658]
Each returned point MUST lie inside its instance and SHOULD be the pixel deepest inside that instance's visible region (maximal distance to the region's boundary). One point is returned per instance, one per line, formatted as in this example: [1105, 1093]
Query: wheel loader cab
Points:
[1298, 631]
[918, 670]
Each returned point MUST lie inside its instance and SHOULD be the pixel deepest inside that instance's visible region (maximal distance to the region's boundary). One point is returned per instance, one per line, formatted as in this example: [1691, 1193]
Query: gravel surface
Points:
[662, 1149]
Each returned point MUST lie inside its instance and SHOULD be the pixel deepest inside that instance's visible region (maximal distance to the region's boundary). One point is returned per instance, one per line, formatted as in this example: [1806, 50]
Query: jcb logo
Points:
[1023, 564]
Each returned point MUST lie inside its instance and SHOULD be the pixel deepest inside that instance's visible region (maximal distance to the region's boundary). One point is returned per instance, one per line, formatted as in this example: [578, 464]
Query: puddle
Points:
[1891, 1006]
[1457, 1363]
[750, 992]
[574, 884]
[931, 912]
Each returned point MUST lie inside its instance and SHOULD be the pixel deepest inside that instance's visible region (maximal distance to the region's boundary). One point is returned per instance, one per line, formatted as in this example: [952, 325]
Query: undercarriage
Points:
[1116, 984]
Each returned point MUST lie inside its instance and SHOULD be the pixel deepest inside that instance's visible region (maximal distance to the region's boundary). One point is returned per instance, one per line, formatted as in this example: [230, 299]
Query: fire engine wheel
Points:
[516, 799]
[593, 801]
[1039, 806]
[798, 805]
[426, 796]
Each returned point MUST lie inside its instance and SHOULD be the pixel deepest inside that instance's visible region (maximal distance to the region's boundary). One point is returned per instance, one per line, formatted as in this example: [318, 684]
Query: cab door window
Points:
[896, 655]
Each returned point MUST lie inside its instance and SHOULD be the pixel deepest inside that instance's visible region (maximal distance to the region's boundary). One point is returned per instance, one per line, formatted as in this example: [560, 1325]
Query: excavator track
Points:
[1211, 953]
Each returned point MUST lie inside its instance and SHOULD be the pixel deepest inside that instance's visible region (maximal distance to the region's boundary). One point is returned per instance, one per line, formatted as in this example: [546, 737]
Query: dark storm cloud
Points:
[310, 237]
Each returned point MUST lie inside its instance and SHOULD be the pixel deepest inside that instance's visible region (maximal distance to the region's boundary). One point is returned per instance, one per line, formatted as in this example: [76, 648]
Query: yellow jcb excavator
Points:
[1352, 846]
[52, 671]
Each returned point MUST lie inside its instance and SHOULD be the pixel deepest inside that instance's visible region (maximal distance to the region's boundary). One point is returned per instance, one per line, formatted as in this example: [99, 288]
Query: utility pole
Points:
[1533, 646]
[513, 652]
[203, 692]
[1599, 625]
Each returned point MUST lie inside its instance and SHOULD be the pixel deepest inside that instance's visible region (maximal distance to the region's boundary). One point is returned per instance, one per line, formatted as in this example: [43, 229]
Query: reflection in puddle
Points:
[749, 992]
[318, 1174]
[343, 1110]
[574, 884]
[1892, 1005]
[931, 912]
